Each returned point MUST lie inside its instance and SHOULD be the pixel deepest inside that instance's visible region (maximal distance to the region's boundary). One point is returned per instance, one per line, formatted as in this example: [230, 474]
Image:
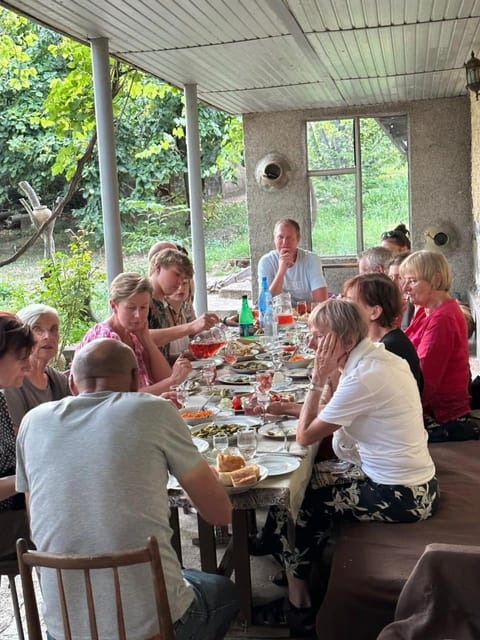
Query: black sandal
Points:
[272, 614]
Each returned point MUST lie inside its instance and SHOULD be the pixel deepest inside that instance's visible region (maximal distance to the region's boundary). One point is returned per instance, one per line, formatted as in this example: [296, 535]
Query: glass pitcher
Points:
[207, 343]
[282, 306]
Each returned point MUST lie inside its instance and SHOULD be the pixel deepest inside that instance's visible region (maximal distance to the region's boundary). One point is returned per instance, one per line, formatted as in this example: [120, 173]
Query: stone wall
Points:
[439, 164]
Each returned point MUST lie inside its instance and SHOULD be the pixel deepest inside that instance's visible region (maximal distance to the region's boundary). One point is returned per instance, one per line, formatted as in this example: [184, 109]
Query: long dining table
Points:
[285, 490]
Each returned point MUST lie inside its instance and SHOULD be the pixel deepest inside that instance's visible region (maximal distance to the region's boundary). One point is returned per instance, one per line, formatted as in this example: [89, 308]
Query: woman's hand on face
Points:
[180, 370]
[327, 358]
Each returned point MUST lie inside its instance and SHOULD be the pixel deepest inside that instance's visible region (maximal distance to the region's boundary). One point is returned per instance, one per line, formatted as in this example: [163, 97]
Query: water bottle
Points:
[245, 319]
[264, 299]
[270, 328]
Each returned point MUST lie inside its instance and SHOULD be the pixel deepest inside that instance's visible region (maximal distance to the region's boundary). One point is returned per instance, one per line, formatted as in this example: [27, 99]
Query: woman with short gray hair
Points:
[42, 383]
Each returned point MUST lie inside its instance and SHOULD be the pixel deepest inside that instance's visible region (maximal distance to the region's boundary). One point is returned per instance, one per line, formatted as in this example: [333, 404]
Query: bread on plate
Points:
[228, 462]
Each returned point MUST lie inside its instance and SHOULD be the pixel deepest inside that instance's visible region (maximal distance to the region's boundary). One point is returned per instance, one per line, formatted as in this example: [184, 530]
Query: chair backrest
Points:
[64, 562]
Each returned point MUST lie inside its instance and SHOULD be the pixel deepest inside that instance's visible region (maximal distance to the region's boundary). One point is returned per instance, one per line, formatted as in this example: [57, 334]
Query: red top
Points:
[441, 341]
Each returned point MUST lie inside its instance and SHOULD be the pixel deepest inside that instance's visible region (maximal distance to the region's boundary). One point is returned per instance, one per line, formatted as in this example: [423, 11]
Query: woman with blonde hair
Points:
[378, 405]
[130, 296]
[438, 331]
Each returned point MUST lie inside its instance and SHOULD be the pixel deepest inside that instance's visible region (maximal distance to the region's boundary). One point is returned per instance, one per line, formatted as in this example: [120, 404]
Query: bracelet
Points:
[315, 387]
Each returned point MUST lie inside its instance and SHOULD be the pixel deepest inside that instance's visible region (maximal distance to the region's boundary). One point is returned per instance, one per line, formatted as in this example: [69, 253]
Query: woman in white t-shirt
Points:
[377, 403]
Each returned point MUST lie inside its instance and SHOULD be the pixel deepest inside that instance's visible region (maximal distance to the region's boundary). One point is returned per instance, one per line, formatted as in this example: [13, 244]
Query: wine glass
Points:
[284, 429]
[230, 352]
[220, 442]
[247, 442]
[207, 374]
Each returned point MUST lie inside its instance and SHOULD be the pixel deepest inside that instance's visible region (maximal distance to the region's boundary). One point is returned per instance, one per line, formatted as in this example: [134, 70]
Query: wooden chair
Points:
[63, 562]
[9, 568]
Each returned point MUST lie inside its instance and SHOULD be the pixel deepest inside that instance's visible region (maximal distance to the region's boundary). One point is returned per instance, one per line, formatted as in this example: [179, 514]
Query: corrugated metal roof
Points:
[270, 55]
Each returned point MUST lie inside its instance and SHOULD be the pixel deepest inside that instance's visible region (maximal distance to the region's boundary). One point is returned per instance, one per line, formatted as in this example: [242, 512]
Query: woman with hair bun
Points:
[397, 240]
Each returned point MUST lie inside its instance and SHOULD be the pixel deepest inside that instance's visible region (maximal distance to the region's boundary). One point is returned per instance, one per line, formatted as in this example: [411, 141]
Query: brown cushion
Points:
[372, 561]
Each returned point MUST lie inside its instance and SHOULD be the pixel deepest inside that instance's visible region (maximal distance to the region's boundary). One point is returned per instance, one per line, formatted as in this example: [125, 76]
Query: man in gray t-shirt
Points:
[94, 467]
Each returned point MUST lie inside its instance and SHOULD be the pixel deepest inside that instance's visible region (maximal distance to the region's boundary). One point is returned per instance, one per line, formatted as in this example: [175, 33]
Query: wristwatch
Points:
[315, 387]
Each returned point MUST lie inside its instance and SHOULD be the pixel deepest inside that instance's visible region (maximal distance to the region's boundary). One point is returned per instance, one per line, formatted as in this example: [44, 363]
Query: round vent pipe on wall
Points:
[272, 171]
[442, 237]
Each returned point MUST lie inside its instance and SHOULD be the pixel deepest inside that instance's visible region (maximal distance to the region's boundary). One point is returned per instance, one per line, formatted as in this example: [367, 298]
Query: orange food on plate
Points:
[205, 413]
[296, 358]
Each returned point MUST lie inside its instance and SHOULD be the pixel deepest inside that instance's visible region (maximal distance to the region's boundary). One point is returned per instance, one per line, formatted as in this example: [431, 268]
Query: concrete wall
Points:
[440, 169]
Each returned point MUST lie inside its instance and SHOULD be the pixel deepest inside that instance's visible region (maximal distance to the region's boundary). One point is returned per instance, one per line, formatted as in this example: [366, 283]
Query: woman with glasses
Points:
[42, 383]
[438, 331]
[16, 344]
[397, 240]
[394, 274]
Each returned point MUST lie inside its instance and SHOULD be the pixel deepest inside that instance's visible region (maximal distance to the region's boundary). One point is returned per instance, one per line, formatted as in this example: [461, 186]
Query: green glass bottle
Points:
[245, 319]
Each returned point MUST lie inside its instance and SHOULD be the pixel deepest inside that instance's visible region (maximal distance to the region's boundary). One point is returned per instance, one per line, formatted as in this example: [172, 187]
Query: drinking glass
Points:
[302, 307]
[207, 374]
[263, 399]
[230, 353]
[181, 394]
[277, 360]
[220, 442]
[247, 442]
[264, 381]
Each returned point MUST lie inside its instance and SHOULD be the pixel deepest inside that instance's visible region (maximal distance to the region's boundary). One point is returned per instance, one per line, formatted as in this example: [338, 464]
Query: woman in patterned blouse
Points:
[16, 343]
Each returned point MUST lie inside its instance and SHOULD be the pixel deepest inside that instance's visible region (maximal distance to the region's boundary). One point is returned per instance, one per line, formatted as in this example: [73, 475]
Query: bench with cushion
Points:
[372, 561]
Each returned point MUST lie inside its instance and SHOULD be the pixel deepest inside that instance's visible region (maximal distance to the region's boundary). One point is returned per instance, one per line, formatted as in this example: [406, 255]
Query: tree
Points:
[47, 96]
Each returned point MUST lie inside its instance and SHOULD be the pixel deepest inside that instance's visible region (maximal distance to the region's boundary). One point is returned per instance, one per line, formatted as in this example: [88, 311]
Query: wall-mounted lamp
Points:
[472, 69]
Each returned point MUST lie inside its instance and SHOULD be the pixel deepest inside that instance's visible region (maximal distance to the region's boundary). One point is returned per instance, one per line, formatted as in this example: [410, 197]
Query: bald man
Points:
[94, 467]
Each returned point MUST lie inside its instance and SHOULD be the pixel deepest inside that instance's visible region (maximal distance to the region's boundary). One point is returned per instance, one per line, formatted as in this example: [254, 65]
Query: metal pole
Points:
[106, 157]
[195, 193]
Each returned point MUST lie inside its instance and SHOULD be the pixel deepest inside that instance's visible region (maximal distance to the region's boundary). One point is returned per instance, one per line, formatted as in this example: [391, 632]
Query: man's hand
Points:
[286, 259]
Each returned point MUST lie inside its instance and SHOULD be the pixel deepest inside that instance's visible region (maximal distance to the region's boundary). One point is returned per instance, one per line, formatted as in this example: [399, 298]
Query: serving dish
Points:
[250, 366]
[230, 426]
[195, 408]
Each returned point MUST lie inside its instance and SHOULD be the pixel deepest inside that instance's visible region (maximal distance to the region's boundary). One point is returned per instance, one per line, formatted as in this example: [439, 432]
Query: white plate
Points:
[282, 386]
[202, 445]
[198, 364]
[298, 373]
[274, 431]
[279, 465]
[235, 378]
[248, 356]
[263, 474]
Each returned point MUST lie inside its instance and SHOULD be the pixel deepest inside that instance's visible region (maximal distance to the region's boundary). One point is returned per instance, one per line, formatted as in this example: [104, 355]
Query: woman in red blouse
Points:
[438, 331]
